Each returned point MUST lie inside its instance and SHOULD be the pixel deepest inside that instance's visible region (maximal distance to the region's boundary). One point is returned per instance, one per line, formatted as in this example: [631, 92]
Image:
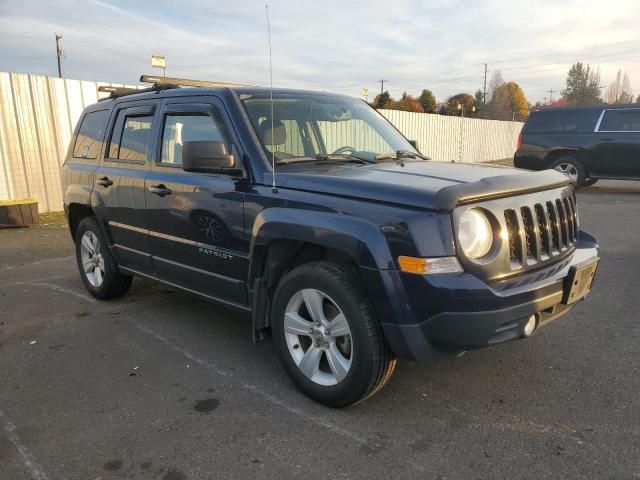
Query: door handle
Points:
[105, 182]
[160, 190]
[606, 139]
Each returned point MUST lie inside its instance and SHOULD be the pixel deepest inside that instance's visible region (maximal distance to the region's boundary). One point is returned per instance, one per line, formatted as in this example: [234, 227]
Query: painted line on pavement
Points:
[37, 473]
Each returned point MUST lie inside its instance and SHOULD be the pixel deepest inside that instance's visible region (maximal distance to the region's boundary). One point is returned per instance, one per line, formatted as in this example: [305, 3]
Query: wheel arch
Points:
[576, 153]
[76, 212]
[283, 239]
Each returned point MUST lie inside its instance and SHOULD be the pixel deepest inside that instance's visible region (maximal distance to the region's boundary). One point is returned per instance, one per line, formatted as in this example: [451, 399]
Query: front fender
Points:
[360, 239]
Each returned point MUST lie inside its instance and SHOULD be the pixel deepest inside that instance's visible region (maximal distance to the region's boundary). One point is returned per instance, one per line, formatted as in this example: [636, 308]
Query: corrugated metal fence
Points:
[38, 115]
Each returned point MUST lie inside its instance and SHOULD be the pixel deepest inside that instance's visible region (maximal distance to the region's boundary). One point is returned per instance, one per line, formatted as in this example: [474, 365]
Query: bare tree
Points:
[619, 91]
[495, 83]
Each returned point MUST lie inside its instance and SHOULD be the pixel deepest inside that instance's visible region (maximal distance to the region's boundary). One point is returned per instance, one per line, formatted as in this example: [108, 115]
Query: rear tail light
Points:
[519, 140]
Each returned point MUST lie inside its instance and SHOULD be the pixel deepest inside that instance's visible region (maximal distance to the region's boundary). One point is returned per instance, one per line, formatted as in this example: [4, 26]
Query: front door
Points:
[120, 184]
[196, 224]
[618, 135]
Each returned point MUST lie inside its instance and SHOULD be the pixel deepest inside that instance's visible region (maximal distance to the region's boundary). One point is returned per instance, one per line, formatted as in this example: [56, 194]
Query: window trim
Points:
[597, 129]
[102, 140]
[207, 109]
[138, 111]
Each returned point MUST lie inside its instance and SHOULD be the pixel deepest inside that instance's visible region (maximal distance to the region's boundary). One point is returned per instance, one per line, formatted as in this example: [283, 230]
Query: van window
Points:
[620, 121]
[131, 136]
[183, 127]
[562, 121]
[90, 135]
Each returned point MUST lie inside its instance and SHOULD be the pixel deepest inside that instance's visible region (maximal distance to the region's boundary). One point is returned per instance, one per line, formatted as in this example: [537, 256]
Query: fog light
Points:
[530, 326]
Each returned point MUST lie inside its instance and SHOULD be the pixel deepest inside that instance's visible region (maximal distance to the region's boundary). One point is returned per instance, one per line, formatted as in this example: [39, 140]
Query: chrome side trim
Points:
[193, 243]
[597, 129]
[184, 241]
[128, 227]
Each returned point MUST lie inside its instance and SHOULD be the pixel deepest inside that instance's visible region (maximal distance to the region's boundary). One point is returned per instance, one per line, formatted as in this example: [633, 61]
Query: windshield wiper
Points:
[325, 157]
[401, 154]
[321, 157]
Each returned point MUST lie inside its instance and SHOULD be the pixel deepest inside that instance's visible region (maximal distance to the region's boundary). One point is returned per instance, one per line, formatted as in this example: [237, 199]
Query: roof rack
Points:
[184, 82]
[159, 83]
[117, 92]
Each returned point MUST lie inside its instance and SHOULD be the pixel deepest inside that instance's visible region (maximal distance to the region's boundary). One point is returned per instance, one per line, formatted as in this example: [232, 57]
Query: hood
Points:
[429, 184]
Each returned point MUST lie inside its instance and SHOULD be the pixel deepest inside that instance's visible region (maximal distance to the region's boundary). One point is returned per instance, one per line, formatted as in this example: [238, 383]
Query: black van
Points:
[586, 143]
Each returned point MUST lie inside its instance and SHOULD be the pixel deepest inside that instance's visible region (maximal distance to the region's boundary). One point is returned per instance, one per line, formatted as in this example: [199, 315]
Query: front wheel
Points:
[98, 268]
[327, 336]
[572, 168]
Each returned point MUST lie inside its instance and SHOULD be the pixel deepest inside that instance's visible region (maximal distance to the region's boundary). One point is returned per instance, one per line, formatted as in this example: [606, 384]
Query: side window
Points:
[90, 135]
[620, 121]
[131, 136]
[189, 127]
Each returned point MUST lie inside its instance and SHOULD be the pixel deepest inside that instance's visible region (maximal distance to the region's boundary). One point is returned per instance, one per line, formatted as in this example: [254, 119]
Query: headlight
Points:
[475, 234]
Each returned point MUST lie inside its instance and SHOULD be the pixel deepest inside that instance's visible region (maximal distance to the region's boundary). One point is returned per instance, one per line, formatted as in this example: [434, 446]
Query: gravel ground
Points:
[159, 385]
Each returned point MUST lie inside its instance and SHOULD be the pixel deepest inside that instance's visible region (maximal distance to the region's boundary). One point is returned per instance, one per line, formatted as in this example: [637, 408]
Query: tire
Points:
[573, 168]
[590, 181]
[350, 367]
[98, 269]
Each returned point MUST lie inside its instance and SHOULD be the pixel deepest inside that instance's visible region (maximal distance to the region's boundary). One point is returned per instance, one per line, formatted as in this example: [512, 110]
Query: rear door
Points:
[197, 236]
[120, 183]
[618, 134]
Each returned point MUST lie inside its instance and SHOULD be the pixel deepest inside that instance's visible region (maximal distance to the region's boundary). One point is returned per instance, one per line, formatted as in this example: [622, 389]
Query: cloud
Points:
[329, 45]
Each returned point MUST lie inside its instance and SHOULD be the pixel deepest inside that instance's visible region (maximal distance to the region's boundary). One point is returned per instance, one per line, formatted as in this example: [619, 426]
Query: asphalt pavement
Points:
[159, 385]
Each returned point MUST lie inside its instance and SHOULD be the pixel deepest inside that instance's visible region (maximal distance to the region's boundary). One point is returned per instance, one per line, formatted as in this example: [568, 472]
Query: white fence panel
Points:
[38, 115]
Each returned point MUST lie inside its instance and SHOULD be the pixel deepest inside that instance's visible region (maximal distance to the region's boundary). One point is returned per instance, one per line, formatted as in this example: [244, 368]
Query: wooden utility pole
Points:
[59, 54]
[484, 88]
[381, 82]
[551, 95]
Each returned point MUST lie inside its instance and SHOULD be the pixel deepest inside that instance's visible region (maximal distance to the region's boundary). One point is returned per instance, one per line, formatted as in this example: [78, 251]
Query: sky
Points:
[331, 45]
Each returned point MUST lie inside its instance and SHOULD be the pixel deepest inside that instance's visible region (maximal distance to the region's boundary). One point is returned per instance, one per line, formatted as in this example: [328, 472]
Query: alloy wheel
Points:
[569, 169]
[92, 259]
[318, 337]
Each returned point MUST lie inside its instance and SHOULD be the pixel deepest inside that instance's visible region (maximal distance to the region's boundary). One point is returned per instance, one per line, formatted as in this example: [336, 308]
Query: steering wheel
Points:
[344, 150]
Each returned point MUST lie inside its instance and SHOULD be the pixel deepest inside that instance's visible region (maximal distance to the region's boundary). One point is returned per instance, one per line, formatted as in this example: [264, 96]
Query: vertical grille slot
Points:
[570, 224]
[515, 242]
[529, 233]
[544, 238]
[562, 220]
[554, 226]
[574, 216]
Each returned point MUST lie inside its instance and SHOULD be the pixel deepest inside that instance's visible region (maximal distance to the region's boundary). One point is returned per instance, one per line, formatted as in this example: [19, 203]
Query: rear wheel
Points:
[572, 168]
[327, 336]
[98, 269]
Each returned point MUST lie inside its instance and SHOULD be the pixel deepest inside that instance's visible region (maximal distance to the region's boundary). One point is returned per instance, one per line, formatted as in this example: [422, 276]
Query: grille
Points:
[541, 231]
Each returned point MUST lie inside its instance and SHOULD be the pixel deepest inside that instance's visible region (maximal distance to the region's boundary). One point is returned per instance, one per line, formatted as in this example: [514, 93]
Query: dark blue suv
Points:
[357, 251]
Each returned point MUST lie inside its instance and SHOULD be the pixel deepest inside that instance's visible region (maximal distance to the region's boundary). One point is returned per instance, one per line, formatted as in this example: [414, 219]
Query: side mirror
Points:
[208, 157]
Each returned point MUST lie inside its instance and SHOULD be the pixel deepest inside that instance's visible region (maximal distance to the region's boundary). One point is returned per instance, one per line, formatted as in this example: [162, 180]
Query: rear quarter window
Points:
[559, 121]
[90, 135]
[621, 121]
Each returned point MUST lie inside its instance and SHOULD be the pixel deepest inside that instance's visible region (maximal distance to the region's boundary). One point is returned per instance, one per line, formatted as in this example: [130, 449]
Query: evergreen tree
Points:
[583, 85]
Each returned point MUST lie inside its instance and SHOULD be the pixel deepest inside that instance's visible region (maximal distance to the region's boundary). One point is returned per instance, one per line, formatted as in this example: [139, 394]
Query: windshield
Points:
[319, 127]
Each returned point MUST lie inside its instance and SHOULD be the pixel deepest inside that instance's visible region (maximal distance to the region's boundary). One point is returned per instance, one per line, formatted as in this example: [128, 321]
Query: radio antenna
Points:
[274, 189]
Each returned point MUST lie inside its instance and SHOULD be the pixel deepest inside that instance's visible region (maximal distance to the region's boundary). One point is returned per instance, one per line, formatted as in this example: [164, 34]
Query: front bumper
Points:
[457, 312]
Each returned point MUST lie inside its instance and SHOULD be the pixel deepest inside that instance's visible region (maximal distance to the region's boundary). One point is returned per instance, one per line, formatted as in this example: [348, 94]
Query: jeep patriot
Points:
[357, 250]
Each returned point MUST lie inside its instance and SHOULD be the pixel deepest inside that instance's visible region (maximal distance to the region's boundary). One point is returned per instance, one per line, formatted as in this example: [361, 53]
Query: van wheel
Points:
[98, 269]
[327, 336]
[571, 168]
